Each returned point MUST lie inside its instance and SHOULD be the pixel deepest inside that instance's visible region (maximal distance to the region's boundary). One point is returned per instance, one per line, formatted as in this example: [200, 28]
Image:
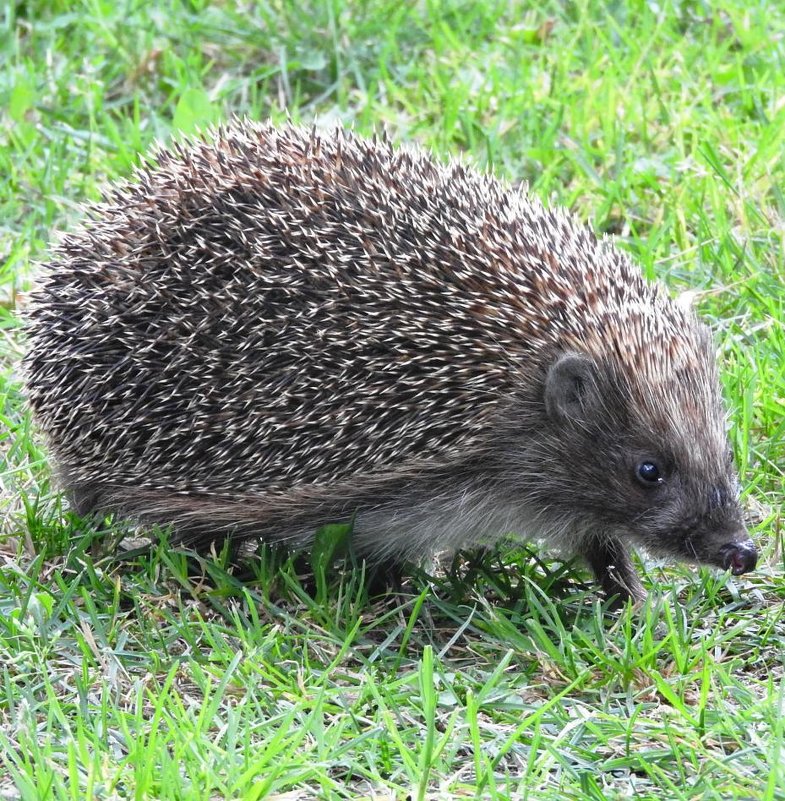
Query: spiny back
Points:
[276, 307]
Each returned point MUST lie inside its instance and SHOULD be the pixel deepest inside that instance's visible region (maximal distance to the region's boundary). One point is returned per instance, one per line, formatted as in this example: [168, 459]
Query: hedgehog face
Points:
[642, 472]
[688, 510]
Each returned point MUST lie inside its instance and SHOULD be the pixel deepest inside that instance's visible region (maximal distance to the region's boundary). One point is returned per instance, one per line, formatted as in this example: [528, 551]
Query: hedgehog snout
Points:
[739, 557]
[725, 533]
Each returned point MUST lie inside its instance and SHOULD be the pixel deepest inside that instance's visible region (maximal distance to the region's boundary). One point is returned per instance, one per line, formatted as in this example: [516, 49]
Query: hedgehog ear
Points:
[570, 387]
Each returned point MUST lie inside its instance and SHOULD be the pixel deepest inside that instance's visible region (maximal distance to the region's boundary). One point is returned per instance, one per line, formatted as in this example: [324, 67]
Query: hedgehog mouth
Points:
[739, 557]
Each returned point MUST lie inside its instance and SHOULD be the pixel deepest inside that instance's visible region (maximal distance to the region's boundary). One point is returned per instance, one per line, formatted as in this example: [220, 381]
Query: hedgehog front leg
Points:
[612, 565]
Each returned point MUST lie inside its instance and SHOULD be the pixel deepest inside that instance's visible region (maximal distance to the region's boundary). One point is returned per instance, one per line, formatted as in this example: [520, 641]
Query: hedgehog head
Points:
[644, 454]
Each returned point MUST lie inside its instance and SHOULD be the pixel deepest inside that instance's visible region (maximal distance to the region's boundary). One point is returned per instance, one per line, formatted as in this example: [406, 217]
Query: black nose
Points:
[740, 557]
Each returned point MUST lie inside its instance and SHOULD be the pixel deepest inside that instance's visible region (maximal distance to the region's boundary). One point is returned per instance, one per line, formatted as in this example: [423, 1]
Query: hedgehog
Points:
[271, 328]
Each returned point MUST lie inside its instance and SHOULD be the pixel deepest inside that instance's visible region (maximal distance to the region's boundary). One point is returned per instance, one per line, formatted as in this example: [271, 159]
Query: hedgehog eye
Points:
[649, 473]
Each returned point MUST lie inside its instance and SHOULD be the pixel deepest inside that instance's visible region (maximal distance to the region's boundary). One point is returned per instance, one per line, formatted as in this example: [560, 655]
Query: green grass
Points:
[165, 677]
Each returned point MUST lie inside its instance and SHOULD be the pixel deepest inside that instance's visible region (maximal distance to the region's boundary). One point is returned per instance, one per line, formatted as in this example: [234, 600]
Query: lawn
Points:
[501, 675]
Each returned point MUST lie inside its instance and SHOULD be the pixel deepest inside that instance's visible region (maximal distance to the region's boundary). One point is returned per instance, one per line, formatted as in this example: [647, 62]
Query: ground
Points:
[162, 676]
